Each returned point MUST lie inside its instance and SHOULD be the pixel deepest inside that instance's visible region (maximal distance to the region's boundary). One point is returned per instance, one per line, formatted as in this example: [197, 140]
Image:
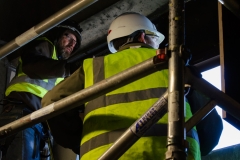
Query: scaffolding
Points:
[172, 101]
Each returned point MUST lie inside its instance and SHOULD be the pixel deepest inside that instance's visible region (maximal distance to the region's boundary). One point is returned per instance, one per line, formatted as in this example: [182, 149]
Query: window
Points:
[229, 133]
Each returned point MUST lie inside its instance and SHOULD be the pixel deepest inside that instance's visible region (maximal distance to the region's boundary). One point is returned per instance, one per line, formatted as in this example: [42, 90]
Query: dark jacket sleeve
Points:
[37, 61]
[210, 128]
[68, 134]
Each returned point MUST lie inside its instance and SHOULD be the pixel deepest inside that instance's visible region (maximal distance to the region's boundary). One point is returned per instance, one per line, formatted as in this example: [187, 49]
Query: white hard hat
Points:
[128, 23]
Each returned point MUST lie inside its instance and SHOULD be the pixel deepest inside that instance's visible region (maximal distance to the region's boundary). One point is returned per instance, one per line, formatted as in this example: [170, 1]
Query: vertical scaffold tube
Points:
[176, 132]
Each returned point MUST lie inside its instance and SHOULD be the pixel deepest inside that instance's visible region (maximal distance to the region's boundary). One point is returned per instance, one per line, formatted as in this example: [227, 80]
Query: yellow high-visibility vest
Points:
[39, 87]
[108, 116]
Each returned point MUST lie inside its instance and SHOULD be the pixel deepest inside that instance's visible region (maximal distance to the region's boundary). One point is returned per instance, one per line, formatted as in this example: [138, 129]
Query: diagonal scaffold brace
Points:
[125, 77]
[171, 101]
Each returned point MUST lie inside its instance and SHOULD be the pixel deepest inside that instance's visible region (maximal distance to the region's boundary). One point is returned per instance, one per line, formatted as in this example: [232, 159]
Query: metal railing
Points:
[174, 97]
[44, 26]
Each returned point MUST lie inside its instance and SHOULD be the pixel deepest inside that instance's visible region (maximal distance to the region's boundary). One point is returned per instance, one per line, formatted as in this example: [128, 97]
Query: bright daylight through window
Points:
[230, 133]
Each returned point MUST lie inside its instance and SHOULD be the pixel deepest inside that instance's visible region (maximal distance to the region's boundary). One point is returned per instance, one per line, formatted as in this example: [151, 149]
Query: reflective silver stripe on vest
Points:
[24, 78]
[112, 136]
[98, 69]
[104, 101]
[98, 72]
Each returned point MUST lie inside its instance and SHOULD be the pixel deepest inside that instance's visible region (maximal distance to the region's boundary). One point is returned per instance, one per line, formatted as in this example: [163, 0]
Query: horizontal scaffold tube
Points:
[44, 26]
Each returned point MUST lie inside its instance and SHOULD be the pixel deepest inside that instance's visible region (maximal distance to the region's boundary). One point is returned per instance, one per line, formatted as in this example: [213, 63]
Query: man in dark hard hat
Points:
[42, 65]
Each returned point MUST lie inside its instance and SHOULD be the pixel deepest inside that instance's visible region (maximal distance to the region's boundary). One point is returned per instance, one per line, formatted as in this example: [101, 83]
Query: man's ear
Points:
[141, 38]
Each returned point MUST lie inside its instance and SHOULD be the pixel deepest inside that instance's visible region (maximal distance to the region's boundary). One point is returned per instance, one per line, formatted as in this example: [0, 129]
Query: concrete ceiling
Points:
[201, 26]
[96, 26]
[201, 22]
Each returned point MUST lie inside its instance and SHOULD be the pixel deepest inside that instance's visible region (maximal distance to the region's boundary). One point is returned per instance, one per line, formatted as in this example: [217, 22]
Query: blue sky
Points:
[230, 133]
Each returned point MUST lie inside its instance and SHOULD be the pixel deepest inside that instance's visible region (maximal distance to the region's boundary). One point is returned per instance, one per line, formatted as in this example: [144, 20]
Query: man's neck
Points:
[134, 45]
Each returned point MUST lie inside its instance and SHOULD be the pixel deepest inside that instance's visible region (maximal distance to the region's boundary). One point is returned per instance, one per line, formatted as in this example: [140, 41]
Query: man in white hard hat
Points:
[133, 38]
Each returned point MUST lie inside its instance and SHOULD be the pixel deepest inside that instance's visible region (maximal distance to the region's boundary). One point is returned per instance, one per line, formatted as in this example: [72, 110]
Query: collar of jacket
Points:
[134, 45]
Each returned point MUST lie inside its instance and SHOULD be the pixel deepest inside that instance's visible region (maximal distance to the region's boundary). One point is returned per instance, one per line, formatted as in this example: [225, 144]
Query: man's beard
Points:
[61, 52]
[64, 54]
